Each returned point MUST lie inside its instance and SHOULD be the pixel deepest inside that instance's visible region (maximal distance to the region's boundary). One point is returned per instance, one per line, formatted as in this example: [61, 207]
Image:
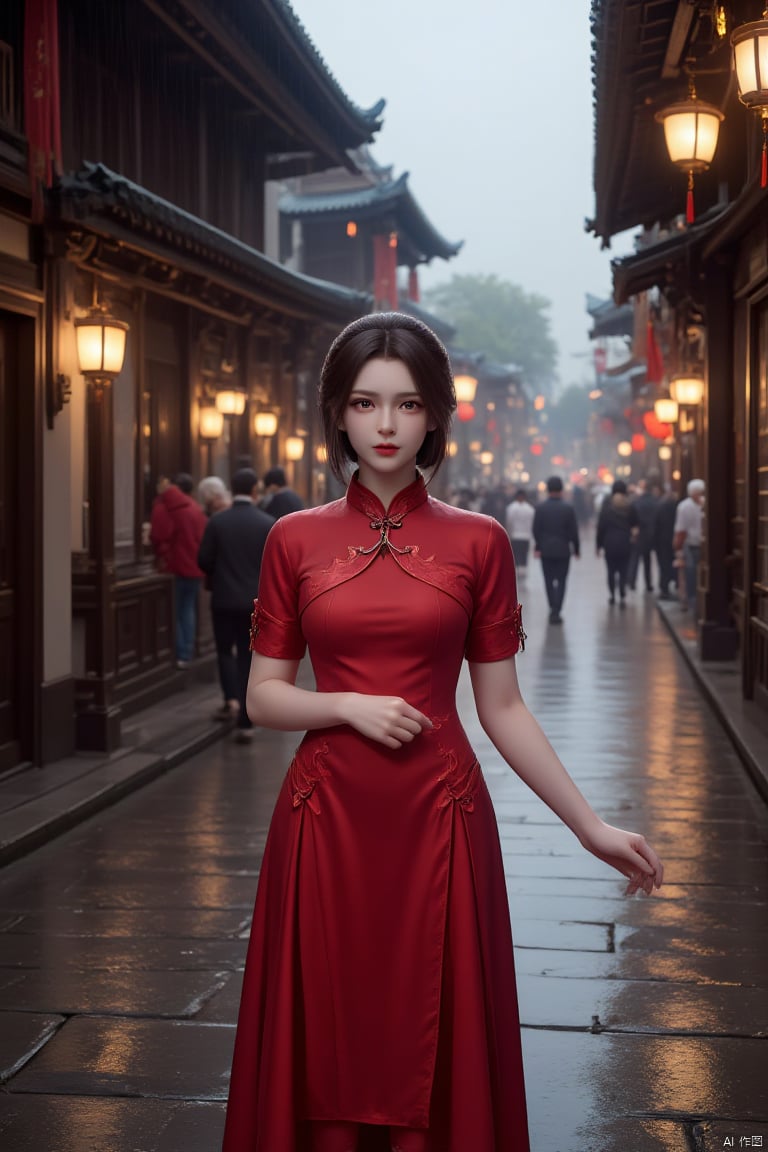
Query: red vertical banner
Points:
[413, 285]
[385, 272]
[42, 107]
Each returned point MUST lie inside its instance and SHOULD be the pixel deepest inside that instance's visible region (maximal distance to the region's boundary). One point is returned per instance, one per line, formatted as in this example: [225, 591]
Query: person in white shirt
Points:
[520, 515]
[689, 520]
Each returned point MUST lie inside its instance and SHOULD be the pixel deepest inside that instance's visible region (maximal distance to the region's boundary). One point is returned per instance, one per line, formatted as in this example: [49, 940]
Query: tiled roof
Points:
[96, 194]
[391, 196]
[371, 117]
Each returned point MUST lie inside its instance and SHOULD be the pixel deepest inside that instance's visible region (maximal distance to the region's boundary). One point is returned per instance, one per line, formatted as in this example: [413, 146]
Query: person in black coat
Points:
[647, 506]
[617, 526]
[280, 498]
[663, 544]
[556, 538]
[230, 554]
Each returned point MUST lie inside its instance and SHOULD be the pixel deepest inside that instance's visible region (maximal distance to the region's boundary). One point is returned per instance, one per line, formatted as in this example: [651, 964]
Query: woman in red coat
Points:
[379, 1006]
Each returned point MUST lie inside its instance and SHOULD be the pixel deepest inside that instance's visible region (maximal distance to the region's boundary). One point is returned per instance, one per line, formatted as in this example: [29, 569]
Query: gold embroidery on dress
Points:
[384, 524]
[255, 623]
[303, 779]
[517, 626]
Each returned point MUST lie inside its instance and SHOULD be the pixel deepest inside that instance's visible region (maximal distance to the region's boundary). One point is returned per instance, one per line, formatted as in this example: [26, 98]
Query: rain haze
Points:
[490, 110]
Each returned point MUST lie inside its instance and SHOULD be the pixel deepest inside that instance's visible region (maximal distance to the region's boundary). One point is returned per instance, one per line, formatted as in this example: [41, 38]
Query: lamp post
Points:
[666, 410]
[101, 342]
[100, 346]
[265, 427]
[211, 426]
[687, 389]
[231, 401]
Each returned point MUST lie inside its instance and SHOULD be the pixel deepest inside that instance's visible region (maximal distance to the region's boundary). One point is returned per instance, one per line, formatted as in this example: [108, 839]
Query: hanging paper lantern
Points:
[537, 449]
[654, 427]
[638, 442]
[465, 411]
[691, 128]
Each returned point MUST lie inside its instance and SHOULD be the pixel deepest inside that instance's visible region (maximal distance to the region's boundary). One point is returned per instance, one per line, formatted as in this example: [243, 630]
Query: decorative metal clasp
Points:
[383, 525]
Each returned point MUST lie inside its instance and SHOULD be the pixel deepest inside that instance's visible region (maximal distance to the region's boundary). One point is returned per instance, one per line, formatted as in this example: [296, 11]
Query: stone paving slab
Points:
[642, 1006]
[90, 1124]
[640, 913]
[223, 1006]
[87, 953]
[611, 888]
[563, 934]
[96, 1056]
[692, 939]
[582, 865]
[147, 891]
[646, 966]
[623, 1082]
[143, 923]
[127, 993]
[22, 1034]
[27, 825]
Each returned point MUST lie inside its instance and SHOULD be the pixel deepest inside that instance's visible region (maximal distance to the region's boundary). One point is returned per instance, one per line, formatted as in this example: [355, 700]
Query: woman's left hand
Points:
[629, 854]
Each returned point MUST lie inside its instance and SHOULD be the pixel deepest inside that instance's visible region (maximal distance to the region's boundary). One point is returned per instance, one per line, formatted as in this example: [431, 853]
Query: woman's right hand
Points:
[387, 719]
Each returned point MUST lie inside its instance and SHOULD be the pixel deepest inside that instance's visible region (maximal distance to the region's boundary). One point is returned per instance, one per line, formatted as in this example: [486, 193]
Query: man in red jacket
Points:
[177, 527]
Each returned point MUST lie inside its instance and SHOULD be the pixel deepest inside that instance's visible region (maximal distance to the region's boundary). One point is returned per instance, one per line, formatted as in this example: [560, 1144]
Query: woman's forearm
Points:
[277, 704]
[521, 742]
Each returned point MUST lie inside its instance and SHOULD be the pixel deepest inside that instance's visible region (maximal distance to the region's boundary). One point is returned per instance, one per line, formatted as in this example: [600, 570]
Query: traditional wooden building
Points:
[358, 228]
[136, 140]
[709, 265]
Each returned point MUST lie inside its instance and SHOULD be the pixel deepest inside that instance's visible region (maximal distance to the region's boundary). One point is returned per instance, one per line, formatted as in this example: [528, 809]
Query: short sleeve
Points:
[275, 627]
[496, 628]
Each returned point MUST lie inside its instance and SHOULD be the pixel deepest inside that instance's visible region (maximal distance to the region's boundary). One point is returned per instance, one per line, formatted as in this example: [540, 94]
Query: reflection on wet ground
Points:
[644, 1020]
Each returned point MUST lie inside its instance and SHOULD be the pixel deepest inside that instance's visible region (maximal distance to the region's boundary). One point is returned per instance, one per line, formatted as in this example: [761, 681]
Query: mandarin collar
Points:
[362, 499]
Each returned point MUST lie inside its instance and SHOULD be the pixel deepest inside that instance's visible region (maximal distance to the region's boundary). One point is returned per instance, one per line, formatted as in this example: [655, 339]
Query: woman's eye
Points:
[361, 404]
[411, 405]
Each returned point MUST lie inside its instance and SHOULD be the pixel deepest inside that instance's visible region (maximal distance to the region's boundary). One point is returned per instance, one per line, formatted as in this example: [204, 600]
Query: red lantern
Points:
[536, 449]
[654, 426]
[465, 411]
[638, 442]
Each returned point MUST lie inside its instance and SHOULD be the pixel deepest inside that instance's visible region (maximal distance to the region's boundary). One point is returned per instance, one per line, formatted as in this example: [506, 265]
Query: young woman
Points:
[379, 1006]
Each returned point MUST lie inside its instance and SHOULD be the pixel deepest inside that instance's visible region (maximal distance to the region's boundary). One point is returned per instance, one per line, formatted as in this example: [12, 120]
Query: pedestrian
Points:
[663, 544]
[519, 520]
[689, 522]
[177, 524]
[230, 553]
[495, 504]
[556, 538]
[379, 983]
[214, 494]
[646, 504]
[281, 499]
[617, 526]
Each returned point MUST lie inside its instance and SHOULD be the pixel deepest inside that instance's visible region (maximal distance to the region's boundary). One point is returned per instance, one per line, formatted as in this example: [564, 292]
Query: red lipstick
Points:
[386, 449]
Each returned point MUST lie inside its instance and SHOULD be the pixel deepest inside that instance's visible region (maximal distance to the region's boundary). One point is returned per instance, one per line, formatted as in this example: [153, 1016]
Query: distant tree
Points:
[499, 318]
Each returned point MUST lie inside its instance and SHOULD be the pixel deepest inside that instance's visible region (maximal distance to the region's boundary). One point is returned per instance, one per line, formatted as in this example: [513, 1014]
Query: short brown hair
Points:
[387, 336]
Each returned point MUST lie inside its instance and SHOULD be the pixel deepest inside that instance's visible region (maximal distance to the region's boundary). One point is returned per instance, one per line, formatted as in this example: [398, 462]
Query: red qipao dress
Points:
[379, 984]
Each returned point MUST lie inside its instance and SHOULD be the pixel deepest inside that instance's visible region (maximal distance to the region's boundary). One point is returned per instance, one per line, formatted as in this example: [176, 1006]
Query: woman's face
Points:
[385, 419]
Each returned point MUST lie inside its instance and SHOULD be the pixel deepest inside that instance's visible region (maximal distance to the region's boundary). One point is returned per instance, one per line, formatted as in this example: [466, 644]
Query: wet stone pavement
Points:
[644, 1020]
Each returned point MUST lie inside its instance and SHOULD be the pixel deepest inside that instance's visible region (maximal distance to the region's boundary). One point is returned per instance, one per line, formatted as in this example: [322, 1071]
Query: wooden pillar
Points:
[718, 636]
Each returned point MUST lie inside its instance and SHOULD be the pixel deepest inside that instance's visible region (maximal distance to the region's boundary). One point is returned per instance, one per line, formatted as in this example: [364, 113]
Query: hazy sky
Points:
[489, 107]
